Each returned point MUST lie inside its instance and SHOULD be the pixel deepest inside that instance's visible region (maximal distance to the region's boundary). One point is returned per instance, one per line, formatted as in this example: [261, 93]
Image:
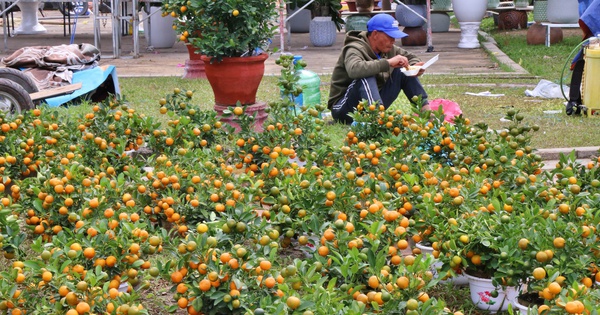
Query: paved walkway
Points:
[170, 61]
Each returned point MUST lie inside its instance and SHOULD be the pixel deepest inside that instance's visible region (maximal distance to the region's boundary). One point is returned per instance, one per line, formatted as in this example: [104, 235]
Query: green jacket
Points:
[358, 60]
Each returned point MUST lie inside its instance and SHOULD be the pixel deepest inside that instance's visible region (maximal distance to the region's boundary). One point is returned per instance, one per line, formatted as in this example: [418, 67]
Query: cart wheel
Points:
[13, 97]
[20, 78]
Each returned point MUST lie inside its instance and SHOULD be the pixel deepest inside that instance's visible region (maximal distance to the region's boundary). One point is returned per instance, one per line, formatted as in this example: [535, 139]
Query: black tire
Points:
[13, 97]
[20, 78]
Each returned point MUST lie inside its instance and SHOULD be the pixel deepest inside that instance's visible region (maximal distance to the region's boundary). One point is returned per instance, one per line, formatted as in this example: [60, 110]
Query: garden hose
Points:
[569, 60]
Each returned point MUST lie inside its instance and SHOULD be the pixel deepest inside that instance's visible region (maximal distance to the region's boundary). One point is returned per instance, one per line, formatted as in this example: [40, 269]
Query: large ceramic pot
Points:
[322, 31]
[481, 294]
[469, 14]
[407, 18]
[521, 3]
[540, 7]
[492, 4]
[563, 11]
[300, 22]
[441, 5]
[235, 78]
[440, 22]
[194, 67]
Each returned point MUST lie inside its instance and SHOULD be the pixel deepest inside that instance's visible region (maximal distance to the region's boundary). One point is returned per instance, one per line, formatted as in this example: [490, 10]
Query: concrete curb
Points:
[580, 152]
[490, 45]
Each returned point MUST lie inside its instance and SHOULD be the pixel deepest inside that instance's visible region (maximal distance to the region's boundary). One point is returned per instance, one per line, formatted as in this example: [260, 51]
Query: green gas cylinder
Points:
[310, 83]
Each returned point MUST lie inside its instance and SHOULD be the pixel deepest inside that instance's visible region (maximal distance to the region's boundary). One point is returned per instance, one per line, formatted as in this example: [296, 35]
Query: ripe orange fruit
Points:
[89, 253]
[204, 285]
[47, 276]
[539, 273]
[270, 282]
[373, 282]
[176, 277]
[554, 287]
[265, 265]
[82, 308]
[293, 302]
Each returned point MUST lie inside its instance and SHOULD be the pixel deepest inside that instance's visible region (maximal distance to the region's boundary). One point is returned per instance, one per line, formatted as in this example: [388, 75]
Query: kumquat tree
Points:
[282, 221]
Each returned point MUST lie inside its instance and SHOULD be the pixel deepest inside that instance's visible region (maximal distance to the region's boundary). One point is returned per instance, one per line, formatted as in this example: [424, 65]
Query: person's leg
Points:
[575, 88]
[358, 90]
[411, 86]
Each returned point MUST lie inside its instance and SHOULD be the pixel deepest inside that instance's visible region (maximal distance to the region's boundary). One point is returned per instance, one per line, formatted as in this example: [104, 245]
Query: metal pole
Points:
[281, 5]
[429, 37]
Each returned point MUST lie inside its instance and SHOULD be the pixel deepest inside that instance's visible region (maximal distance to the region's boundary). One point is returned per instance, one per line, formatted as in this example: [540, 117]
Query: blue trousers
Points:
[366, 89]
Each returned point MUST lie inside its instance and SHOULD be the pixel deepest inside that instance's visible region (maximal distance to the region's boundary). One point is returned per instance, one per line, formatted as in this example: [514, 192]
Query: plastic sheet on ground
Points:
[486, 93]
[91, 79]
[547, 89]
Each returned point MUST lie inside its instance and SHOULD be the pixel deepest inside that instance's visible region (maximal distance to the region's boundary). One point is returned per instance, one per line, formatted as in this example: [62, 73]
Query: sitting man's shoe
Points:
[572, 107]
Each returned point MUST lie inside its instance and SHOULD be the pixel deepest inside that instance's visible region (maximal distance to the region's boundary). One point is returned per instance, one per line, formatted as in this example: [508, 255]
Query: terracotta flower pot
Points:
[194, 67]
[235, 78]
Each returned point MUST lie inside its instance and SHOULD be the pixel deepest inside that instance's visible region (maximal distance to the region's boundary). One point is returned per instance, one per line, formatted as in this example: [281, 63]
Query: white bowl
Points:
[412, 71]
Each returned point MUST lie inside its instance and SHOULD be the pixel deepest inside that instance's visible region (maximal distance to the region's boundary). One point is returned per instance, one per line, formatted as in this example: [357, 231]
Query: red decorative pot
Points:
[235, 78]
[194, 67]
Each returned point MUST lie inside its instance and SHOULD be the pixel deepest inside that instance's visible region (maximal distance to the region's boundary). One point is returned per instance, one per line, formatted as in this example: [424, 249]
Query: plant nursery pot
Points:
[481, 295]
[525, 302]
[235, 79]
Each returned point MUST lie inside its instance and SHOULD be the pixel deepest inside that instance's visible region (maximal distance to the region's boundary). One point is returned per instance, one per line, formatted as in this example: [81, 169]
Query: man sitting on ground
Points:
[370, 67]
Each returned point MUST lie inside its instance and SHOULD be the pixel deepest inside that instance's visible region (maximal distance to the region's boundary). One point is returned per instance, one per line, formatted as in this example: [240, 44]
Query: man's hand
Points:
[398, 61]
[421, 71]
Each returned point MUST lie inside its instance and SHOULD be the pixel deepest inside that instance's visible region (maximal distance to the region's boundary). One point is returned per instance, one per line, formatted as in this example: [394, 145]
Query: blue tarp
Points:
[90, 80]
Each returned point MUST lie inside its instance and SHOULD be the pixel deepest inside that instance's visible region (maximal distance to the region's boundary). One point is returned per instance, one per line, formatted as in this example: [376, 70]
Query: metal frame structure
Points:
[119, 16]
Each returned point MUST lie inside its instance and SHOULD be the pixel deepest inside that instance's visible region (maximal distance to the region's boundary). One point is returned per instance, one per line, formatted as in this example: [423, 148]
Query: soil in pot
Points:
[530, 299]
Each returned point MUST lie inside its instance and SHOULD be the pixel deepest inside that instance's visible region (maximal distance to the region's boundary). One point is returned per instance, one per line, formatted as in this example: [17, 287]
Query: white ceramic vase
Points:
[469, 14]
[481, 295]
[158, 29]
[563, 11]
[29, 20]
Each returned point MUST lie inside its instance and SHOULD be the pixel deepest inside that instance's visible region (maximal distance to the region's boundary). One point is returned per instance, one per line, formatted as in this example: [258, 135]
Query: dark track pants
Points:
[366, 88]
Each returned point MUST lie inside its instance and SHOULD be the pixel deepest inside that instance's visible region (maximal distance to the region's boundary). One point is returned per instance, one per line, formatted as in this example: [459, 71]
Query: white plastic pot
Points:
[481, 295]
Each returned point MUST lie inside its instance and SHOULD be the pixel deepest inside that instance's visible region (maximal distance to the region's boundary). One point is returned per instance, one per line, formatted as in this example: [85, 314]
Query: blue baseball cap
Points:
[385, 23]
